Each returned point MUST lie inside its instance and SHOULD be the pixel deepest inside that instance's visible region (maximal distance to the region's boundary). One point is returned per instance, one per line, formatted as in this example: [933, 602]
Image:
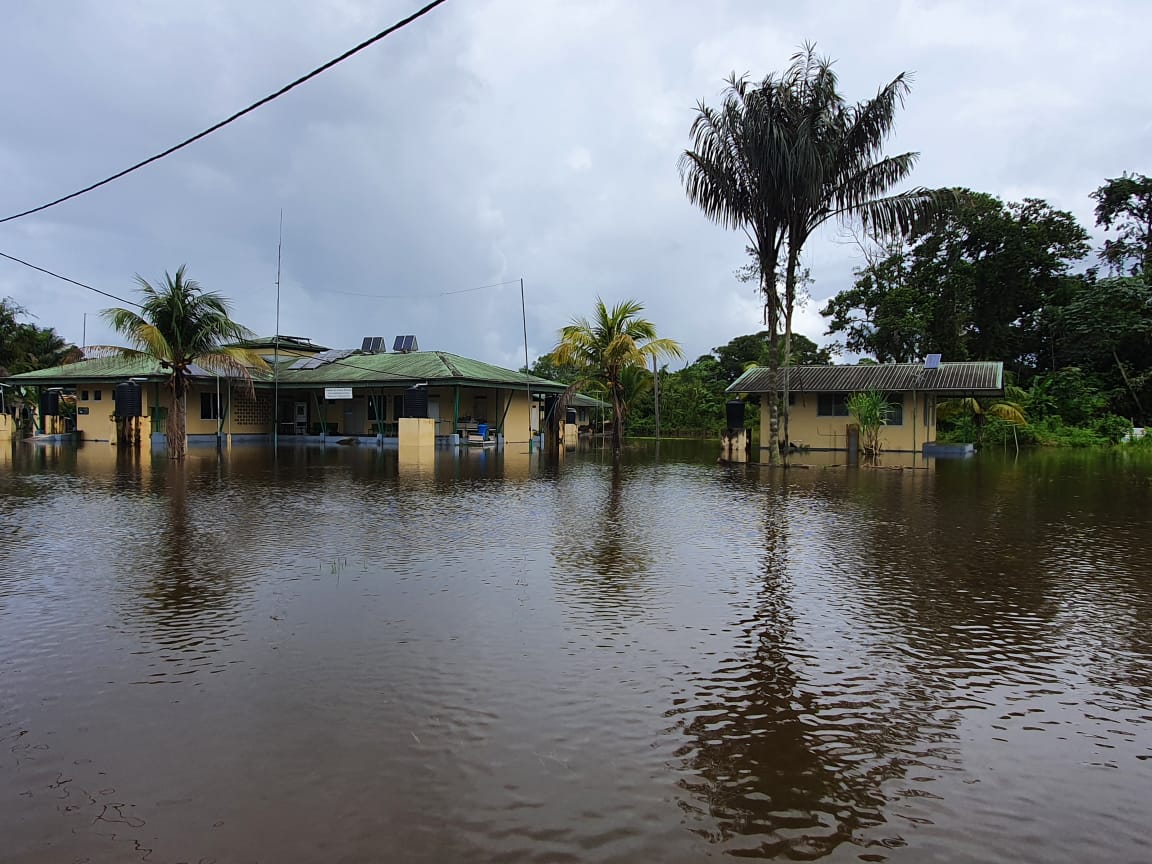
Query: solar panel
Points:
[366, 345]
[378, 344]
[404, 344]
[932, 361]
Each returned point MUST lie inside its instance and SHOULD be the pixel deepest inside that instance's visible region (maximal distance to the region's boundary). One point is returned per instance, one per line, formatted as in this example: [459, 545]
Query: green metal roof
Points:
[363, 370]
[417, 367]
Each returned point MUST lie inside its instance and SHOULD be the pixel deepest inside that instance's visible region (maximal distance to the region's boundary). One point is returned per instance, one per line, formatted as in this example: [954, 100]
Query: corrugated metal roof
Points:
[377, 370]
[970, 378]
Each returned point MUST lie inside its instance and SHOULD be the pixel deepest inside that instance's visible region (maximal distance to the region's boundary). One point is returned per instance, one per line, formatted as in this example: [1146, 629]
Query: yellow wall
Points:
[806, 428]
[7, 427]
[516, 421]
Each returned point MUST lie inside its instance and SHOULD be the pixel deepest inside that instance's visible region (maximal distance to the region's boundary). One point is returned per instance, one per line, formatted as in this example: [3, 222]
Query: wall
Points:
[807, 428]
[516, 421]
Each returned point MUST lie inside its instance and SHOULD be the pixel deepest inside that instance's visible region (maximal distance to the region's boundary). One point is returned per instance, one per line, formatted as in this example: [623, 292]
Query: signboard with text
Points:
[337, 392]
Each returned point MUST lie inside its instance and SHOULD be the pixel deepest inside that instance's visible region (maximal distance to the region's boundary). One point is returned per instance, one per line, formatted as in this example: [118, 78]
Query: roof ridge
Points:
[443, 355]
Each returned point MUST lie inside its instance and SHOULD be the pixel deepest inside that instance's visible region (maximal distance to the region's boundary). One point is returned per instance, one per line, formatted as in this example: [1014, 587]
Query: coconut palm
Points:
[180, 324]
[604, 349]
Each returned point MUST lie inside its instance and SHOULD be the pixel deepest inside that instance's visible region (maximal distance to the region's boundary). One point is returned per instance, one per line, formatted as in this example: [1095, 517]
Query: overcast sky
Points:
[491, 141]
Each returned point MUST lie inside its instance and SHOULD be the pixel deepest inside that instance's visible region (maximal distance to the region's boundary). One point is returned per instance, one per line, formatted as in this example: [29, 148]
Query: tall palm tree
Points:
[782, 157]
[603, 350]
[838, 169]
[180, 324]
[737, 173]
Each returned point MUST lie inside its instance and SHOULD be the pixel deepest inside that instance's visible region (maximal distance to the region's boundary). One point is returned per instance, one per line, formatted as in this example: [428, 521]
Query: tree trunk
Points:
[176, 429]
[1128, 384]
[789, 305]
[772, 319]
[617, 418]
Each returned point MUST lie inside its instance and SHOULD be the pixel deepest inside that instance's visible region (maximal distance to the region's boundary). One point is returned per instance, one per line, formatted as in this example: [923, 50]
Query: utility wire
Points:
[270, 97]
[66, 279]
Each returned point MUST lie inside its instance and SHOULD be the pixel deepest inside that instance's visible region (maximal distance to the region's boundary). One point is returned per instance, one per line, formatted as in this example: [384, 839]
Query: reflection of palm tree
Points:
[790, 752]
[190, 597]
[600, 555]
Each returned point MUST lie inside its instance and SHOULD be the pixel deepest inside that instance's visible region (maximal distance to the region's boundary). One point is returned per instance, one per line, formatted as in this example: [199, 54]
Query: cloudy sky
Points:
[500, 139]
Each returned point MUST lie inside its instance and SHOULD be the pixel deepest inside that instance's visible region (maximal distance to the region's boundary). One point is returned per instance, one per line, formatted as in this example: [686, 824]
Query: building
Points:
[312, 392]
[818, 413]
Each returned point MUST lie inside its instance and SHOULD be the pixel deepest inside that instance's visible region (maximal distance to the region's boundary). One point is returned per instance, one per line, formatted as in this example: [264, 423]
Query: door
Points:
[301, 418]
[434, 411]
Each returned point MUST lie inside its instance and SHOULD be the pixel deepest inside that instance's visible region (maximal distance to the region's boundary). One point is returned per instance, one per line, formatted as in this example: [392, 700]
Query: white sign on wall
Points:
[337, 392]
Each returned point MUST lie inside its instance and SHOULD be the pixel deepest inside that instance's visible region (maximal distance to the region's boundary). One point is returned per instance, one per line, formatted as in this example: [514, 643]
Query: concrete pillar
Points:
[735, 445]
[417, 432]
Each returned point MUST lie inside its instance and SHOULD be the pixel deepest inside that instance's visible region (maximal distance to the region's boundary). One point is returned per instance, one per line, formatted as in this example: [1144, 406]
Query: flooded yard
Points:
[333, 655]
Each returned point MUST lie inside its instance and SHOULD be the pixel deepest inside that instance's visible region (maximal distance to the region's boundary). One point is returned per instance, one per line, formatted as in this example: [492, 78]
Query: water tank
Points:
[571, 420]
[50, 403]
[128, 399]
[734, 411]
[416, 402]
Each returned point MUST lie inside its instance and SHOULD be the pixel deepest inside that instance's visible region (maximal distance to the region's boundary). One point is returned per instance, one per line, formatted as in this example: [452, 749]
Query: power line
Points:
[270, 97]
[66, 279]
[416, 296]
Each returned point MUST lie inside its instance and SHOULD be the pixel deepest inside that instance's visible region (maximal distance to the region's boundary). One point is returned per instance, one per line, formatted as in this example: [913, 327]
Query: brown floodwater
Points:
[337, 656]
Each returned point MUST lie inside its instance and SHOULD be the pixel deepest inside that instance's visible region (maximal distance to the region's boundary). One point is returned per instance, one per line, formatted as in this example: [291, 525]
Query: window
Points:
[896, 414]
[83, 395]
[97, 395]
[832, 405]
[209, 407]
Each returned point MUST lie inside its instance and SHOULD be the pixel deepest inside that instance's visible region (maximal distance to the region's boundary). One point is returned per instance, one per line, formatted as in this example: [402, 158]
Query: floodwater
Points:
[336, 656]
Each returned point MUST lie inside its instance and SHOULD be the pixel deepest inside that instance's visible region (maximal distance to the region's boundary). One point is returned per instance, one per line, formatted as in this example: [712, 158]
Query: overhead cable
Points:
[66, 279]
[270, 97]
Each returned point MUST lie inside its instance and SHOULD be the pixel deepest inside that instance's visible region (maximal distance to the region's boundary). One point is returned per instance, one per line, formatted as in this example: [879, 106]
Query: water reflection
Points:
[602, 550]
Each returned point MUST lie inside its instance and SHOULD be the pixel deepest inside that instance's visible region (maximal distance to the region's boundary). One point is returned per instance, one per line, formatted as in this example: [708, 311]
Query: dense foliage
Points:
[24, 347]
[990, 280]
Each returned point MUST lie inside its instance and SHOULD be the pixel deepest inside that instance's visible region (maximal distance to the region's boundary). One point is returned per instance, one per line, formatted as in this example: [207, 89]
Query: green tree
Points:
[1124, 205]
[1009, 409]
[602, 349]
[972, 285]
[180, 324]
[544, 367]
[24, 347]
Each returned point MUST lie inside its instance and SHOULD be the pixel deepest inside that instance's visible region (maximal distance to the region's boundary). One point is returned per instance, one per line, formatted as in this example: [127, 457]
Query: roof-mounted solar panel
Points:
[405, 344]
[932, 361]
[366, 345]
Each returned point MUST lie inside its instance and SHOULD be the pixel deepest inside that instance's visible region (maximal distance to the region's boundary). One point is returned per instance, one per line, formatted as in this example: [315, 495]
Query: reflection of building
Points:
[818, 412]
[315, 392]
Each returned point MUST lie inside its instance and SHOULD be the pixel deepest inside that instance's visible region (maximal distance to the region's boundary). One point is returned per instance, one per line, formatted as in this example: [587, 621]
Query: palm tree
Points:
[838, 169]
[737, 173]
[781, 158]
[179, 324]
[1008, 409]
[603, 350]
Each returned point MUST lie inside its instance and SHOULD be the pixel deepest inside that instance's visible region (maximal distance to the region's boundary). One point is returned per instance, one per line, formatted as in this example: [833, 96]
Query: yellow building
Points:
[818, 411]
[311, 392]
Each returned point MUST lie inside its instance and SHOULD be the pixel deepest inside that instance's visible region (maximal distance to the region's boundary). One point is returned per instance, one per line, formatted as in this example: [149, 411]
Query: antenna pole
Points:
[527, 380]
[276, 343]
[84, 333]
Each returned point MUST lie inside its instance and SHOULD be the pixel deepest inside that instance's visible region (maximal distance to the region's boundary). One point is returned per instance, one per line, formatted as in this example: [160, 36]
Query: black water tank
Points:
[50, 403]
[416, 402]
[128, 399]
[571, 416]
[734, 411]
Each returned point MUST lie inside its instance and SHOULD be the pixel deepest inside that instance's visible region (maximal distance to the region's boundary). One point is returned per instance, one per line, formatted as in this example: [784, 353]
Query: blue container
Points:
[482, 430]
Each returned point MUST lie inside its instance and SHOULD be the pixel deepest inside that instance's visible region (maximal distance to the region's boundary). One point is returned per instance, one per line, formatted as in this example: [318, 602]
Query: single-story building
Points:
[312, 391]
[818, 395]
